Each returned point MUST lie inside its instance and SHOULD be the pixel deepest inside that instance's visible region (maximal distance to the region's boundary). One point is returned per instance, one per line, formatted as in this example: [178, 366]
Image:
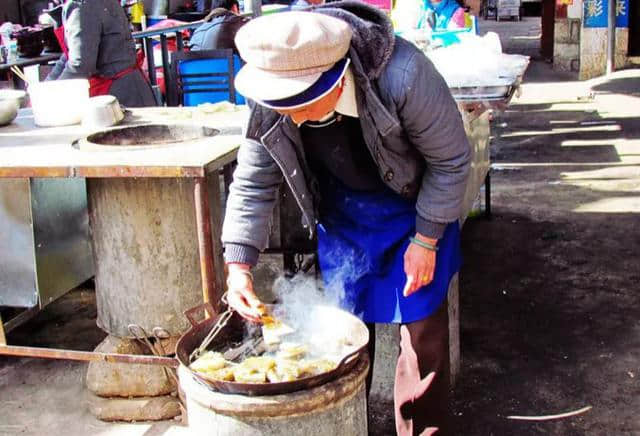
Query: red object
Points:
[101, 85]
[59, 32]
[98, 85]
[561, 8]
[385, 5]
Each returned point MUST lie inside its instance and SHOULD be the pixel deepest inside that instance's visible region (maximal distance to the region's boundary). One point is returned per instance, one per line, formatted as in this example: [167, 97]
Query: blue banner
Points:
[595, 13]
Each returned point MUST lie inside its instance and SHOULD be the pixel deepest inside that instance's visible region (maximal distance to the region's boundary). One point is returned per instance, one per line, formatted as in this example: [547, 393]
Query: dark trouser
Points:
[430, 341]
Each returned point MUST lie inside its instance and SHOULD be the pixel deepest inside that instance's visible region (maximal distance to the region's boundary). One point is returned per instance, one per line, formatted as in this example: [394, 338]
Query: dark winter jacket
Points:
[410, 123]
[218, 31]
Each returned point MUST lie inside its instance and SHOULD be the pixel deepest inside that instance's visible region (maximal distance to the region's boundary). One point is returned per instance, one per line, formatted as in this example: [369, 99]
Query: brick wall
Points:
[566, 44]
[593, 51]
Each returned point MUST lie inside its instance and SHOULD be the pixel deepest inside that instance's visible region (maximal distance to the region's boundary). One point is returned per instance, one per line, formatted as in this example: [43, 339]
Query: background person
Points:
[97, 45]
[219, 28]
[444, 15]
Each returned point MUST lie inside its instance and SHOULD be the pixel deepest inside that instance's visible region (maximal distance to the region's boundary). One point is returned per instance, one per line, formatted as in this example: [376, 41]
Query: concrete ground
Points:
[549, 297]
[549, 305]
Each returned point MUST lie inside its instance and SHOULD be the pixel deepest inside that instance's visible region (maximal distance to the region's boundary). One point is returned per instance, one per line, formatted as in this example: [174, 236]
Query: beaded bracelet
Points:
[423, 244]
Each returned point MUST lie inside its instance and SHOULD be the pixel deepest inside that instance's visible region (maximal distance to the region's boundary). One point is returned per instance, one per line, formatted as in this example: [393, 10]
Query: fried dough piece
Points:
[259, 363]
[290, 350]
[316, 366]
[223, 374]
[273, 376]
[209, 361]
[273, 330]
[247, 375]
[287, 370]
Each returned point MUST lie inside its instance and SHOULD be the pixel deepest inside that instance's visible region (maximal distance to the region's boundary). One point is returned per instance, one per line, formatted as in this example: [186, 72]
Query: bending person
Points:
[365, 132]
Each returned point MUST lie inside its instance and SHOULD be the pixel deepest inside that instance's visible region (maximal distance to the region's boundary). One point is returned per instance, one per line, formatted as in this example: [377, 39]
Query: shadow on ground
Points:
[628, 85]
[549, 288]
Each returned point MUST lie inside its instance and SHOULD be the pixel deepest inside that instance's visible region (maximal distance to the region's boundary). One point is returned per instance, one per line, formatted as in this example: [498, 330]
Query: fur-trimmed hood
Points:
[373, 39]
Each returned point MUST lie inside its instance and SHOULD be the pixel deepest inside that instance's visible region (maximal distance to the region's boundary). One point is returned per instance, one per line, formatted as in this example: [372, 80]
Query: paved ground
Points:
[520, 37]
[549, 304]
[549, 298]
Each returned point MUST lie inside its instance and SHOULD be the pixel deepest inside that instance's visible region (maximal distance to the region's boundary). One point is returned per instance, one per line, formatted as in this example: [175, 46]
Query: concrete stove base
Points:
[134, 409]
[107, 379]
[337, 407]
[129, 392]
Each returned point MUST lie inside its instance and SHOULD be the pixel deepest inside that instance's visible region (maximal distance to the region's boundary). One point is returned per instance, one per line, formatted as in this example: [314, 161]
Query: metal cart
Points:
[44, 242]
[508, 9]
[501, 9]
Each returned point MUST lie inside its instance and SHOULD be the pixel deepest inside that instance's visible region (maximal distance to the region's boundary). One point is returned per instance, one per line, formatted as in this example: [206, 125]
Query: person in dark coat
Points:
[219, 28]
[364, 131]
[97, 45]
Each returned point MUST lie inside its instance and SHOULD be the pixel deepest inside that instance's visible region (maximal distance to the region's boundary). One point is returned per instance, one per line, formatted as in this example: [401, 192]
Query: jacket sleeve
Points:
[82, 33]
[252, 197]
[433, 124]
[54, 74]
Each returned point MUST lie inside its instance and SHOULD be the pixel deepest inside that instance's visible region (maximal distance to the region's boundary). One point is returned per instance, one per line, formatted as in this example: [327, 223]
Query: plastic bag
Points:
[477, 61]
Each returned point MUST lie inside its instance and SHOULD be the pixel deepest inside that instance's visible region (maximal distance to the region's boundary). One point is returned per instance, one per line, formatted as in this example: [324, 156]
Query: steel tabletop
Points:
[25, 62]
[28, 151]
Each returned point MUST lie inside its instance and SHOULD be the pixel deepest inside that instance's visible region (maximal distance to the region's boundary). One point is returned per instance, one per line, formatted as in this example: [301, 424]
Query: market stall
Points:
[154, 206]
[35, 156]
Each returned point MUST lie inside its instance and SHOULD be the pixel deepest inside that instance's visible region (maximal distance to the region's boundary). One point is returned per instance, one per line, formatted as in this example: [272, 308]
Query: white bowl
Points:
[59, 102]
[18, 95]
[102, 111]
[8, 111]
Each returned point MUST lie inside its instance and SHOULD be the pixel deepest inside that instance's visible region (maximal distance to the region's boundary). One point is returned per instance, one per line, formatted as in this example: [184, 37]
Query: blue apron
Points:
[362, 238]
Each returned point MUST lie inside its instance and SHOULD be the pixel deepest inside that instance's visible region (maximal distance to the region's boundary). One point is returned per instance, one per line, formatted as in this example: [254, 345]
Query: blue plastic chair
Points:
[204, 76]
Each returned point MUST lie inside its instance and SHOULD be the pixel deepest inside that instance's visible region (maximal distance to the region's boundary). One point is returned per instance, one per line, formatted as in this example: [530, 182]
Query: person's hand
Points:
[419, 265]
[240, 294]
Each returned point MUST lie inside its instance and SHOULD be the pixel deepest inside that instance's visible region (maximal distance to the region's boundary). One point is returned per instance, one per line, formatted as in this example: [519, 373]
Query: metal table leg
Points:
[3, 338]
[487, 195]
[205, 243]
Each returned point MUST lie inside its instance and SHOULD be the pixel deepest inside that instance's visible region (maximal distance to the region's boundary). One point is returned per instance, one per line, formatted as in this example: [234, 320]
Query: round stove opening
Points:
[146, 136]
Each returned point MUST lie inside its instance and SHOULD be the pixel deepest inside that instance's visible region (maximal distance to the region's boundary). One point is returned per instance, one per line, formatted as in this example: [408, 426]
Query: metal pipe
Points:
[20, 319]
[611, 36]
[179, 41]
[165, 57]
[3, 337]
[19, 12]
[487, 195]
[205, 243]
[86, 356]
[147, 34]
[151, 65]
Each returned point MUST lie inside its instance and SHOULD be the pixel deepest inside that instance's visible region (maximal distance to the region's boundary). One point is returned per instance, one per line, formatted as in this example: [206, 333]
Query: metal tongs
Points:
[254, 346]
[222, 321]
[159, 334]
